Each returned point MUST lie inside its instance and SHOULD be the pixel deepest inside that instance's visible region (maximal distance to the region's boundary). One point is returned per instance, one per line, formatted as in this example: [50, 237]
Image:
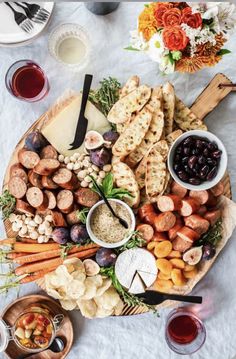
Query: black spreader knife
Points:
[82, 120]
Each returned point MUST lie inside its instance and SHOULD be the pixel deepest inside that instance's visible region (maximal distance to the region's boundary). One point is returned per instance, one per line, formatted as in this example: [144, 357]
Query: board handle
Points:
[212, 95]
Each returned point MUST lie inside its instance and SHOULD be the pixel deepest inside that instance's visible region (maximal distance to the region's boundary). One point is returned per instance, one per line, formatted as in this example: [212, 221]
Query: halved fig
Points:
[93, 140]
[193, 255]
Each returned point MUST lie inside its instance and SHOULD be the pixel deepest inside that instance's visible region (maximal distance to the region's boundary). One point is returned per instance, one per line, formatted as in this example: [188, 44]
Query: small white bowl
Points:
[99, 241]
[222, 165]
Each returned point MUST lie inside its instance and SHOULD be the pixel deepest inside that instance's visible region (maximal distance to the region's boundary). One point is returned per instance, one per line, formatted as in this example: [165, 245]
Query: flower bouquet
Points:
[184, 37]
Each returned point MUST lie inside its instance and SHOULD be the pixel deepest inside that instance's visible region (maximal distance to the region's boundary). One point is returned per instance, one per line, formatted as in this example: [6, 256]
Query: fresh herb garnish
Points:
[65, 248]
[135, 241]
[213, 236]
[108, 189]
[223, 52]
[128, 298]
[7, 204]
[107, 95]
[82, 215]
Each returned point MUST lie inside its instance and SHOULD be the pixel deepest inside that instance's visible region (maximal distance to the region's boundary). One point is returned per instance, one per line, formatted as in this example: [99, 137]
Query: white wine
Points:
[71, 50]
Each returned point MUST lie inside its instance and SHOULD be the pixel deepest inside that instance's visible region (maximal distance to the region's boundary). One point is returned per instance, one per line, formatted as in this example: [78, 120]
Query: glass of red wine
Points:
[26, 81]
[185, 333]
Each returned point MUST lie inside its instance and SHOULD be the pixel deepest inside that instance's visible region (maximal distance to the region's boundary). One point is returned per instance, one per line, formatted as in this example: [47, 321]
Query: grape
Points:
[208, 251]
[35, 141]
[61, 235]
[78, 233]
[100, 157]
[106, 257]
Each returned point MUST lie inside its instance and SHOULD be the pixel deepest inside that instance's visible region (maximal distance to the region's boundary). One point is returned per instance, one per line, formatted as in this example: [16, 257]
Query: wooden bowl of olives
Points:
[197, 160]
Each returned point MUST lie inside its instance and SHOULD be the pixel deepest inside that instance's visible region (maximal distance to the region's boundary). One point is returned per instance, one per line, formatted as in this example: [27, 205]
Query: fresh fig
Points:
[35, 141]
[100, 157]
[93, 140]
[110, 138]
[208, 251]
[193, 255]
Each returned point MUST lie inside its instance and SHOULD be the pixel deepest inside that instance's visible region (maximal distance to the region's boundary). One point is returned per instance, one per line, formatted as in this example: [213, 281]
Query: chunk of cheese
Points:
[60, 129]
[137, 285]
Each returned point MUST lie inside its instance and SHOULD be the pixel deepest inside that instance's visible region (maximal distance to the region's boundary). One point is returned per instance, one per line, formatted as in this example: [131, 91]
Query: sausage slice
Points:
[178, 190]
[28, 159]
[181, 245]
[65, 201]
[159, 237]
[164, 221]
[201, 196]
[17, 187]
[197, 223]
[36, 198]
[72, 217]
[189, 206]
[145, 210]
[188, 234]
[86, 197]
[218, 189]
[46, 166]
[48, 152]
[35, 179]
[17, 170]
[51, 199]
[169, 202]
[48, 183]
[65, 179]
[202, 210]
[172, 233]
[146, 231]
[58, 219]
[213, 216]
[24, 207]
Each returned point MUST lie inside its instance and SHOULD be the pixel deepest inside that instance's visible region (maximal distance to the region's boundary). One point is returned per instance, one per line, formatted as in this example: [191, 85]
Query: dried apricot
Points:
[177, 263]
[162, 285]
[163, 276]
[163, 249]
[191, 274]
[174, 254]
[188, 267]
[177, 277]
[164, 265]
[151, 245]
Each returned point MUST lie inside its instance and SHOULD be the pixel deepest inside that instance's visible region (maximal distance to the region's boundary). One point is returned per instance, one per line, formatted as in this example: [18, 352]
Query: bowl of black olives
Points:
[197, 160]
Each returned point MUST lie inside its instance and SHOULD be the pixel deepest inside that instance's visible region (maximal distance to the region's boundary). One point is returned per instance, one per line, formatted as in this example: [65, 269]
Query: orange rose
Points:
[192, 20]
[175, 38]
[159, 11]
[172, 17]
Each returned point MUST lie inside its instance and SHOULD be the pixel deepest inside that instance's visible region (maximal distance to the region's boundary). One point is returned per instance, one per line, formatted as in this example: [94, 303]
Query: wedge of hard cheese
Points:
[60, 129]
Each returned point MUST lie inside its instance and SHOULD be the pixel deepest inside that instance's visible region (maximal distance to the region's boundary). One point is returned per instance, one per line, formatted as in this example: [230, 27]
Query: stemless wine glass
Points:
[26, 81]
[185, 333]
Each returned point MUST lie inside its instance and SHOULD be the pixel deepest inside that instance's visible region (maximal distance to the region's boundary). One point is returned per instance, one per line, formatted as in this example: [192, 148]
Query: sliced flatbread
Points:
[186, 119]
[155, 130]
[169, 107]
[155, 178]
[140, 172]
[173, 136]
[122, 110]
[125, 178]
[134, 133]
[130, 85]
[120, 127]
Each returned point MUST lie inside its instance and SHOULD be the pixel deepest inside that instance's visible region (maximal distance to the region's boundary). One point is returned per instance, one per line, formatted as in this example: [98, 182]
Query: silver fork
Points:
[38, 17]
[37, 10]
[21, 20]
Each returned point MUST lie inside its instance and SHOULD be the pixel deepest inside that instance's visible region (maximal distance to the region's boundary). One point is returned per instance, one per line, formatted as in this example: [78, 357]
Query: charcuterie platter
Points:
[162, 173]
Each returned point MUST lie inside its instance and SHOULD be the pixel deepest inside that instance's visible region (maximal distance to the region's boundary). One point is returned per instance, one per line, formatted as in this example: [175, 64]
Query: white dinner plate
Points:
[11, 34]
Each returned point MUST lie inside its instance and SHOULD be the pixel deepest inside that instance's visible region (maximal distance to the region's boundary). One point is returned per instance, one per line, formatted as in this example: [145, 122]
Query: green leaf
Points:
[82, 215]
[7, 204]
[107, 184]
[131, 48]
[171, 58]
[213, 236]
[107, 188]
[146, 5]
[223, 52]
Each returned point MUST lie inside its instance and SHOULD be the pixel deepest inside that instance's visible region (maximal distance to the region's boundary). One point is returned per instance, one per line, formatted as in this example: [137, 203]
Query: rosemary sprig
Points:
[7, 204]
[135, 241]
[128, 298]
[82, 215]
[213, 236]
[106, 95]
[65, 248]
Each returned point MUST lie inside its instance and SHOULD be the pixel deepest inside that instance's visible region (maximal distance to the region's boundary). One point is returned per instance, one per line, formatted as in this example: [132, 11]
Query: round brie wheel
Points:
[136, 269]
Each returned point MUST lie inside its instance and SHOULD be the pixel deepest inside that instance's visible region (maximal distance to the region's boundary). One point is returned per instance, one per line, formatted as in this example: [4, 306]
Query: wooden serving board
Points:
[209, 98]
[12, 312]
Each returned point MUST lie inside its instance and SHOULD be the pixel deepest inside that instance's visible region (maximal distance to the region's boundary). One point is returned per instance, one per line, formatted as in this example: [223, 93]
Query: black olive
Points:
[195, 181]
[188, 141]
[216, 154]
[185, 160]
[206, 152]
[187, 151]
[177, 167]
[183, 176]
[212, 146]
[177, 158]
[211, 162]
[188, 170]
[179, 149]
[192, 161]
[212, 173]
[204, 171]
[201, 160]
[199, 144]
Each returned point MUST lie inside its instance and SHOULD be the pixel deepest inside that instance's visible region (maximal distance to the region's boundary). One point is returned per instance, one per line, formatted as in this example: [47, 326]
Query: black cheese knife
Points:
[82, 120]
[153, 297]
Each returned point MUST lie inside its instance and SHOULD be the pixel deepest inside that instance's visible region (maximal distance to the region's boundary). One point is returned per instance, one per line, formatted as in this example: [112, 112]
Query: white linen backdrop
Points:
[135, 336]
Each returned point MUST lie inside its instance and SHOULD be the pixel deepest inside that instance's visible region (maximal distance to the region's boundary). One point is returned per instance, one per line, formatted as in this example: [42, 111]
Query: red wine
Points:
[183, 329]
[28, 81]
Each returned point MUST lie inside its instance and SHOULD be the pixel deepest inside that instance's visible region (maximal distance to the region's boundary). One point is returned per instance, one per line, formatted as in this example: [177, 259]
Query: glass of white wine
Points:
[69, 45]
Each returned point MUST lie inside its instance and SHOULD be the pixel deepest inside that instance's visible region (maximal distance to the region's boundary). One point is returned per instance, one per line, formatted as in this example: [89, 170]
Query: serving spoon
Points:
[121, 220]
[57, 346]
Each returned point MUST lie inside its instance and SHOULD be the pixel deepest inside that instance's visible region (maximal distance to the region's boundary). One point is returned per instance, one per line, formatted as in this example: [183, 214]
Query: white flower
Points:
[137, 41]
[156, 47]
[198, 36]
[166, 65]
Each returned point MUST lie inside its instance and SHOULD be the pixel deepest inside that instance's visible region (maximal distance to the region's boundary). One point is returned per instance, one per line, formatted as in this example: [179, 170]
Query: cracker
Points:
[133, 133]
[122, 110]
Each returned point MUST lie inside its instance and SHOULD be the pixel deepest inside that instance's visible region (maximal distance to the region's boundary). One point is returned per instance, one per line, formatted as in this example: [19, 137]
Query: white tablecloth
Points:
[139, 336]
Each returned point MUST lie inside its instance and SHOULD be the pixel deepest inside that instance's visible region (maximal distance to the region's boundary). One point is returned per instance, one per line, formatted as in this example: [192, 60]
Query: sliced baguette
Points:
[169, 107]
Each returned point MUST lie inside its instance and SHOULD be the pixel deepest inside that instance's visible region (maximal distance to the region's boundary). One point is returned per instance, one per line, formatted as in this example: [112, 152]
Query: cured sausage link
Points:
[169, 202]
[197, 223]
[164, 222]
